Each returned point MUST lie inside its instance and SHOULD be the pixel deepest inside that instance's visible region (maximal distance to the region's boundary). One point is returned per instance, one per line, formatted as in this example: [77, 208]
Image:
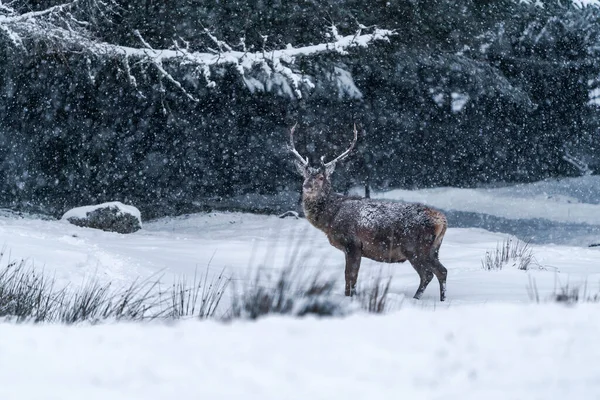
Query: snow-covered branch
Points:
[276, 62]
[64, 26]
[582, 166]
[5, 9]
[67, 29]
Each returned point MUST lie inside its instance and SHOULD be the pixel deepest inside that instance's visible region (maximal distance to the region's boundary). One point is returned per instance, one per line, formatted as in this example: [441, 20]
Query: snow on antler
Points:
[66, 27]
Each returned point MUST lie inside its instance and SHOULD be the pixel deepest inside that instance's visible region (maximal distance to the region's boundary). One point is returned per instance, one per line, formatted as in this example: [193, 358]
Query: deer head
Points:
[317, 180]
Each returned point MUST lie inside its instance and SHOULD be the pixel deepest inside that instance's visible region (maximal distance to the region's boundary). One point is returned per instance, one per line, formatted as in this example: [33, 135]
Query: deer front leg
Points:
[353, 256]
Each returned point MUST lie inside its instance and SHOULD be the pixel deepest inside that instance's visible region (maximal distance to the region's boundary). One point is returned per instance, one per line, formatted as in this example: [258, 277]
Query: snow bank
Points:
[476, 352]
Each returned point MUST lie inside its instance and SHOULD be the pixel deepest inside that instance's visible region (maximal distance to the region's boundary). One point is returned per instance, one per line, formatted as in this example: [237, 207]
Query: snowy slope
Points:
[503, 352]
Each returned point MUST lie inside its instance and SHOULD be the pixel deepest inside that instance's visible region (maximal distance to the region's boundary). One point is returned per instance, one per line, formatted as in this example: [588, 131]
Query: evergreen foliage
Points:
[466, 93]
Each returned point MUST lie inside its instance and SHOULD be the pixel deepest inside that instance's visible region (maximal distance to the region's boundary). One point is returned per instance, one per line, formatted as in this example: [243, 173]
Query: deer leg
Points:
[353, 256]
[426, 276]
[441, 273]
[423, 268]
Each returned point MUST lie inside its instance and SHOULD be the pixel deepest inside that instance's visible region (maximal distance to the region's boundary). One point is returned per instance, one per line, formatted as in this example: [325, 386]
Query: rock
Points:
[110, 217]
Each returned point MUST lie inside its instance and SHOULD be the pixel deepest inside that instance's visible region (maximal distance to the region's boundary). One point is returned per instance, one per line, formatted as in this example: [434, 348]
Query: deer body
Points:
[380, 230]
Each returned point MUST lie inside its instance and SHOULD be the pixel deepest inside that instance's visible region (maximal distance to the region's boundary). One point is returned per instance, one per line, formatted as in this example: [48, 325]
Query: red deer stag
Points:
[383, 231]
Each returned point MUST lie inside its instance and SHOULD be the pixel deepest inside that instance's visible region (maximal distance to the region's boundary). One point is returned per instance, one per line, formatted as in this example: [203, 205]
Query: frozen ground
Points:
[487, 341]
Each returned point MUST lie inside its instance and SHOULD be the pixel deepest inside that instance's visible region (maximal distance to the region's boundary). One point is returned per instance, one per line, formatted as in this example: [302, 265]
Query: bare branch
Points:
[223, 46]
[174, 81]
[36, 14]
[157, 63]
[139, 36]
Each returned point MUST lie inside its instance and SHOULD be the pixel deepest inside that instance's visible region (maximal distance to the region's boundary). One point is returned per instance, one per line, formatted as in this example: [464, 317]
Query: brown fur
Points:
[383, 231]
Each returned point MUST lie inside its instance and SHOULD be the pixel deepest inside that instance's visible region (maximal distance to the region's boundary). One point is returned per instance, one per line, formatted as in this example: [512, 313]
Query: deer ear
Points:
[301, 169]
[329, 169]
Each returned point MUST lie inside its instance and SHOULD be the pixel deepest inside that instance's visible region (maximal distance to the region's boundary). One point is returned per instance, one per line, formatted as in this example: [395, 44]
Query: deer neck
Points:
[320, 210]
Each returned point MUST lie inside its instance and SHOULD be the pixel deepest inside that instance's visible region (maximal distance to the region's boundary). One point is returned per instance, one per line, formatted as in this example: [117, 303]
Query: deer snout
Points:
[311, 188]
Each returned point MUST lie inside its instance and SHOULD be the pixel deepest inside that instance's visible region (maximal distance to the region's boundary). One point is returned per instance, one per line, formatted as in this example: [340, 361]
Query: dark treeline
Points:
[466, 93]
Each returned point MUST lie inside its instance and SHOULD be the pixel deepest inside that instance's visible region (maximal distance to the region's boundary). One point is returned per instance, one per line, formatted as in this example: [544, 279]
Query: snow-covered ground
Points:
[503, 352]
[487, 341]
[243, 243]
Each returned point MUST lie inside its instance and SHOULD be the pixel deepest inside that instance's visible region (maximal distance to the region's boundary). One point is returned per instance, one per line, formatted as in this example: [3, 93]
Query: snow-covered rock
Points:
[111, 217]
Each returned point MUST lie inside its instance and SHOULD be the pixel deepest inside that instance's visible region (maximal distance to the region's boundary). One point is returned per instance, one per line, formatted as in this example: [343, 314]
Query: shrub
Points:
[575, 294]
[199, 299]
[95, 301]
[296, 294]
[289, 294]
[566, 294]
[515, 253]
[26, 295]
[374, 298]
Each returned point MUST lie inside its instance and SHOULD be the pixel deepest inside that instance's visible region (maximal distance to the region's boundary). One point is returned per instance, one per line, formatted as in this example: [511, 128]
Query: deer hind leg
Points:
[439, 270]
[353, 257]
[426, 276]
[441, 274]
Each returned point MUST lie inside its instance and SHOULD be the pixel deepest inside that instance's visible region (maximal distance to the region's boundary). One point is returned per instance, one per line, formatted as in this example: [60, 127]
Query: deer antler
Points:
[292, 148]
[344, 154]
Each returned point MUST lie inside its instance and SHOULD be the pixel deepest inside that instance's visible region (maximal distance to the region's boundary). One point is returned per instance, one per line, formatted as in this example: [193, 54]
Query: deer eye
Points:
[320, 177]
